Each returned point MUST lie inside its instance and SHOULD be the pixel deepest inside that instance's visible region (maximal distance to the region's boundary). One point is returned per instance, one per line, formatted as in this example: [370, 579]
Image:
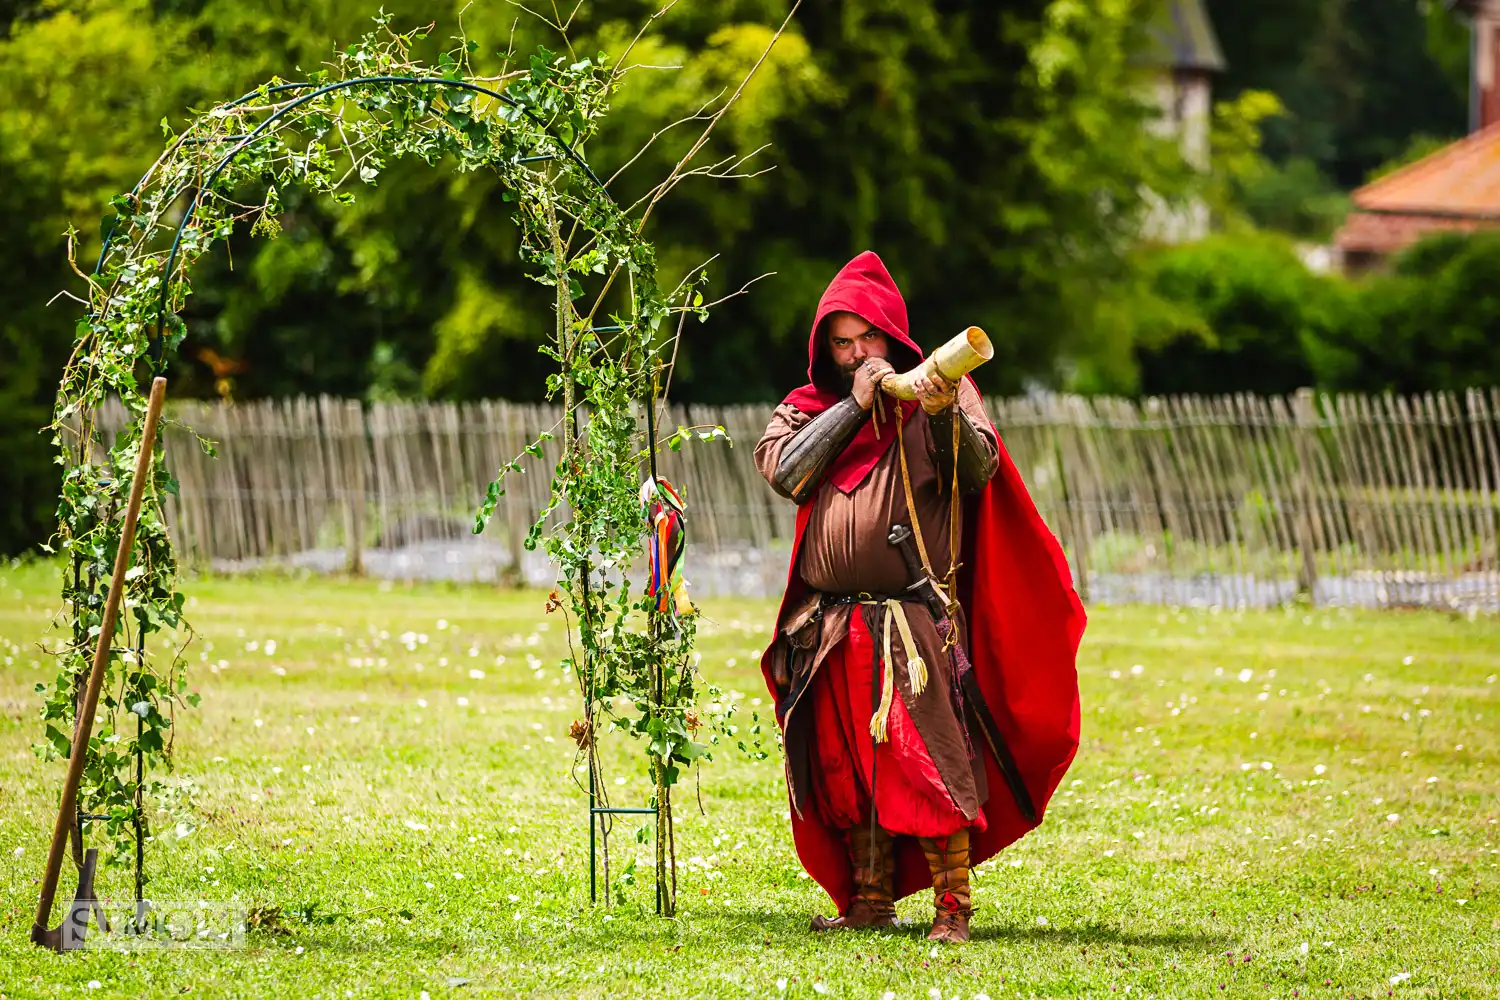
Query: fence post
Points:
[1304, 436]
[353, 427]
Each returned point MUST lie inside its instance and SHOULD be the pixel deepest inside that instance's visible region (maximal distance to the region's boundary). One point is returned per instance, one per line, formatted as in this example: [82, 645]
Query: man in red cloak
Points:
[928, 697]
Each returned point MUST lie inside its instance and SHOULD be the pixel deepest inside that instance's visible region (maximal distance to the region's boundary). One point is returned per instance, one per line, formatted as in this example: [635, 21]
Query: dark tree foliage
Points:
[995, 157]
[1359, 78]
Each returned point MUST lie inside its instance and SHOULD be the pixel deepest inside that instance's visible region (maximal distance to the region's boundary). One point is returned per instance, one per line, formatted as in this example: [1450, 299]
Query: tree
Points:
[994, 155]
[1358, 77]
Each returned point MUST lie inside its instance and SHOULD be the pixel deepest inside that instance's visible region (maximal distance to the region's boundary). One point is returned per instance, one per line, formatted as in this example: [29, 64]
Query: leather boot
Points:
[948, 860]
[874, 864]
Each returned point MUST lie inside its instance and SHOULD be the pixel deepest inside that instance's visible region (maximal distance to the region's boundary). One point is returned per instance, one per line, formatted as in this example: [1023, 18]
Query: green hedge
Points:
[1243, 314]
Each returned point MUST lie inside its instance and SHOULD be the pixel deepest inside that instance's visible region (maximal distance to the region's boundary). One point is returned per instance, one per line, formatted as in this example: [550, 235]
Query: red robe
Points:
[1025, 619]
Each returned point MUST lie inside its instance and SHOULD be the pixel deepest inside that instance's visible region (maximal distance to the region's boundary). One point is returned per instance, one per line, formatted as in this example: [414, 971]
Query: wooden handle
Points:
[85, 726]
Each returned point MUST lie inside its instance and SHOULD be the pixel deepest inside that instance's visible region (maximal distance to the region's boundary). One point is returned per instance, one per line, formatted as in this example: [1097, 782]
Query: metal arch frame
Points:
[260, 129]
[243, 141]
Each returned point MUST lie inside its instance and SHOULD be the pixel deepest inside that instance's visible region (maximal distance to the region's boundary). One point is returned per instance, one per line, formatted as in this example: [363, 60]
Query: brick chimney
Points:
[1484, 63]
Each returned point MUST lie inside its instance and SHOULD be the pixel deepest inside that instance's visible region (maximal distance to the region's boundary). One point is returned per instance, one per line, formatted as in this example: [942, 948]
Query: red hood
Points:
[863, 287]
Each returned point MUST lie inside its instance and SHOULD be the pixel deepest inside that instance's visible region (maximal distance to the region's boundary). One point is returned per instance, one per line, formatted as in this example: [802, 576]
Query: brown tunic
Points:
[845, 551]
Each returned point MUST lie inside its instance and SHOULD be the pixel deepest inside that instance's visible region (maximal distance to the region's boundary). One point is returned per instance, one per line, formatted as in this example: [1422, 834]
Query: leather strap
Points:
[978, 459]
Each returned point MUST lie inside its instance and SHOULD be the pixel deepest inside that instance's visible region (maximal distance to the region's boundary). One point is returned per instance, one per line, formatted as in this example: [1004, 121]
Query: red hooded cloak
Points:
[1025, 619]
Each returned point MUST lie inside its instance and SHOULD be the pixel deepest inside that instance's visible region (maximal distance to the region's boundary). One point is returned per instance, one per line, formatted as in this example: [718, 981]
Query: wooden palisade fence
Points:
[1229, 500]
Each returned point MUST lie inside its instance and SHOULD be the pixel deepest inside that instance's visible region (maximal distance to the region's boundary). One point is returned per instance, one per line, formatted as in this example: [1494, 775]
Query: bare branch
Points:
[708, 130]
[539, 17]
[698, 115]
[672, 365]
[576, 8]
[614, 77]
[65, 293]
[744, 289]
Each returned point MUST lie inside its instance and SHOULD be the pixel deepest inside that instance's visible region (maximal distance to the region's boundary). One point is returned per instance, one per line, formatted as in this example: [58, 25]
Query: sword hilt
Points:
[922, 585]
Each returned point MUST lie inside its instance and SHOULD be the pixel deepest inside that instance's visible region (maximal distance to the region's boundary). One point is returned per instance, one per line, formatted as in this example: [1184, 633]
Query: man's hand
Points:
[867, 380]
[935, 392]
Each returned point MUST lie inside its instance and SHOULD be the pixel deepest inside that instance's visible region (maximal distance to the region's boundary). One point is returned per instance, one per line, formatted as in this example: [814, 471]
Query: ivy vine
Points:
[332, 133]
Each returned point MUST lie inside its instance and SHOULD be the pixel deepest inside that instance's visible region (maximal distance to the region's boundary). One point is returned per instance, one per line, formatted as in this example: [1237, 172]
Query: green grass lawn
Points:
[1268, 805]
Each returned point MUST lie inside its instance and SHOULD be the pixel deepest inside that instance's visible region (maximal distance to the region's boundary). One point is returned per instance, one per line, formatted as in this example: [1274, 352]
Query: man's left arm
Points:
[978, 450]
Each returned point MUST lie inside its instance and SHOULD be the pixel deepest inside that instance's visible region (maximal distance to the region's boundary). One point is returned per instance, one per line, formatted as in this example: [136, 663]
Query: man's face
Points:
[852, 341]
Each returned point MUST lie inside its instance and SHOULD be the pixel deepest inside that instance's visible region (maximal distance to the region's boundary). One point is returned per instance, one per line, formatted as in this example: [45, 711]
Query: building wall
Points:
[1186, 102]
[1487, 67]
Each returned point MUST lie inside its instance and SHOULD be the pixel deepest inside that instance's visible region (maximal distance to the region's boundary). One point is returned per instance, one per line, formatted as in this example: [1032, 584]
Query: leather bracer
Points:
[978, 458]
[806, 456]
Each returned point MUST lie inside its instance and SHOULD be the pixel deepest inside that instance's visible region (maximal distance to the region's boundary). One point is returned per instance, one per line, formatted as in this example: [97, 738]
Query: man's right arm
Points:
[796, 450]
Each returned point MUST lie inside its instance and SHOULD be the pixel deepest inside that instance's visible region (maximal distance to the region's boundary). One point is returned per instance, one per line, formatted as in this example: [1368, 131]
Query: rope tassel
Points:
[916, 669]
[880, 721]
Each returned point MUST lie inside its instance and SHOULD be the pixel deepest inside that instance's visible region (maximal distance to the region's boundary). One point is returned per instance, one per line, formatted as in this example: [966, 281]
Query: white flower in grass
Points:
[819, 988]
[1245, 675]
[476, 675]
[1393, 818]
[94, 984]
[1041, 921]
[781, 984]
[1320, 769]
[1303, 948]
[1137, 670]
[1400, 978]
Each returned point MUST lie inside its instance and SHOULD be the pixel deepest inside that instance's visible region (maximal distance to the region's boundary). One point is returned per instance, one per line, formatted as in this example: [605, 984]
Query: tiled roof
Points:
[1184, 38]
[1461, 180]
[1470, 6]
[1371, 232]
